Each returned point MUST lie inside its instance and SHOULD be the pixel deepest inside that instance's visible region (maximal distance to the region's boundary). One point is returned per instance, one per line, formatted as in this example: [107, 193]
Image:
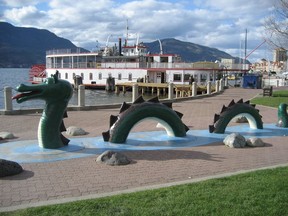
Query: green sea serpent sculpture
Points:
[282, 116]
[130, 115]
[56, 93]
[235, 109]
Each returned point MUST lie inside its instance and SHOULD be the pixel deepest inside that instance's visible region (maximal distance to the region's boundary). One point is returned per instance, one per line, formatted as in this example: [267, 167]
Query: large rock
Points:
[240, 119]
[75, 131]
[6, 135]
[235, 140]
[8, 168]
[113, 158]
[255, 142]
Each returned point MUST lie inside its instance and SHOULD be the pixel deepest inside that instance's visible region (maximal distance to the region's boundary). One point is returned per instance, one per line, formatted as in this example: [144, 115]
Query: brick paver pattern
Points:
[76, 178]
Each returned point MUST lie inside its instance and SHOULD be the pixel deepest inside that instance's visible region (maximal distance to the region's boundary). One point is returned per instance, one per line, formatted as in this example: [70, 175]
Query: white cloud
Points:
[26, 15]
[18, 3]
[220, 24]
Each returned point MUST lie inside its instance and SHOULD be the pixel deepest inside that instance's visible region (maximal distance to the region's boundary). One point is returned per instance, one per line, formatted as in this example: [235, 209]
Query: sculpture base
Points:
[29, 152]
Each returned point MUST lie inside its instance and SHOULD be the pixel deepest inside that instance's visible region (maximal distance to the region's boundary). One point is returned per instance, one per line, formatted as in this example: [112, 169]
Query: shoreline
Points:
[101, 106]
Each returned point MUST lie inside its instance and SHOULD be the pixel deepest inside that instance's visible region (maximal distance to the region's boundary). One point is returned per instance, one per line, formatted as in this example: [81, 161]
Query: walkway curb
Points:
[133, 190]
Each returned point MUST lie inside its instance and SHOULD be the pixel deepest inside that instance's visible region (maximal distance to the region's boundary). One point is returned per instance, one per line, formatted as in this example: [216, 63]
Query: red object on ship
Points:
[37, 71]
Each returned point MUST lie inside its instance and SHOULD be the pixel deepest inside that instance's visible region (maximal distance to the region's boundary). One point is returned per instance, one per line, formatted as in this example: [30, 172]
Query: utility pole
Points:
[245, 48]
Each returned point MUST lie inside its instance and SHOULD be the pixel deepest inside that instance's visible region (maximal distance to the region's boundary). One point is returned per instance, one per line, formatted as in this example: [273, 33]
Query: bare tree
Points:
[276, 25]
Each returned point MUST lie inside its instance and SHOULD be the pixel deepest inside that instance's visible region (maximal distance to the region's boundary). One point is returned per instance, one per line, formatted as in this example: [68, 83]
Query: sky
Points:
[218, 24]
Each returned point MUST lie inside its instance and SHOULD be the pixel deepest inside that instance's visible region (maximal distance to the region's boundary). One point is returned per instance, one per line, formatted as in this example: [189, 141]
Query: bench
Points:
[267, 91]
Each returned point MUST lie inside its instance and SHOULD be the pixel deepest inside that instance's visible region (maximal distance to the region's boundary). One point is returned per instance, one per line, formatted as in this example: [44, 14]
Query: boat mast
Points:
[127, 34]
[245, 48]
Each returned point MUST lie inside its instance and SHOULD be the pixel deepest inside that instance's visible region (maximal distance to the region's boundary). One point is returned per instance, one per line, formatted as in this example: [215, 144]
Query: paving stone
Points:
[150, 167]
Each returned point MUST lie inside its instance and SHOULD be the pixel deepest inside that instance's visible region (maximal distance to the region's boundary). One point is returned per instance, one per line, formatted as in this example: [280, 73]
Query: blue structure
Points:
[252, 81]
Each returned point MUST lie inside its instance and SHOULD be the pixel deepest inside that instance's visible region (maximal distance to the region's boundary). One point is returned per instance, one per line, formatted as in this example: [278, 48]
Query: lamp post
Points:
[225, 74]
[269, 74]
[222, 67]
[226, 70]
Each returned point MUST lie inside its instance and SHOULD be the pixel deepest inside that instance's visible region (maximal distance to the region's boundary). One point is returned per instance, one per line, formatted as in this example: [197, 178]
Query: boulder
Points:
[113, 158]
[75, 131]
[241, 119]
[235, 140]
[8, 168]
[255, 142]
[7, 135]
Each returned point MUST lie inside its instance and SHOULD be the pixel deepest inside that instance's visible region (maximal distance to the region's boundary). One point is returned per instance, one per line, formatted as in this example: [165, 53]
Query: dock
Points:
[180, 90]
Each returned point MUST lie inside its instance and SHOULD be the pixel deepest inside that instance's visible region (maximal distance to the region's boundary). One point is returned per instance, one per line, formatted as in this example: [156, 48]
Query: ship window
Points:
[177, 77]
[195, 77]
[119, 76]
[130, 77]
[59, 75]
[66, 75]
[82, 75]
[66, 63]
[100, 76]
[90, 76]
[187, 77]
[203, 77]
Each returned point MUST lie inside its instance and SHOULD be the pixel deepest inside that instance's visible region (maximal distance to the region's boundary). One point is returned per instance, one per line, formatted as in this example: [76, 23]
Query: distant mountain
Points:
[189, 52]
[24, 47]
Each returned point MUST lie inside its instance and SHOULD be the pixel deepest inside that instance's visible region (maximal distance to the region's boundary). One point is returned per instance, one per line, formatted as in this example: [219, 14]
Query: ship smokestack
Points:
[120, 47]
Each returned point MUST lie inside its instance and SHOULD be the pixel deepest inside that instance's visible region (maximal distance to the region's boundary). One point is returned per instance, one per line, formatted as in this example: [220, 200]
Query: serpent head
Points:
[51, 90]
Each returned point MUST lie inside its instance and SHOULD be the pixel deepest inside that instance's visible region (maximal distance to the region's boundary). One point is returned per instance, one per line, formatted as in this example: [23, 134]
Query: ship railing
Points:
[66, 65]
[182, 65]
[55, 52]
[120, 65]
[168, 65]
[65, 51]
[93, 64]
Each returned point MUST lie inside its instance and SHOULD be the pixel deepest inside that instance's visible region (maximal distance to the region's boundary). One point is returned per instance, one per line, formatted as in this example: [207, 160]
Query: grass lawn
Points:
[269, 101]
[263, 192]
[274, 101]
[280, 93]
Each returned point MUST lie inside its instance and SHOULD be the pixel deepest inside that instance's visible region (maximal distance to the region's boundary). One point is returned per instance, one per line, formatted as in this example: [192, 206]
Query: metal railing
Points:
[8, 106]
[139, 64]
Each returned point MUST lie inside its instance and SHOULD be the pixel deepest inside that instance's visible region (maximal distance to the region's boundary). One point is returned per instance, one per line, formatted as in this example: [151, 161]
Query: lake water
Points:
[12, 77]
